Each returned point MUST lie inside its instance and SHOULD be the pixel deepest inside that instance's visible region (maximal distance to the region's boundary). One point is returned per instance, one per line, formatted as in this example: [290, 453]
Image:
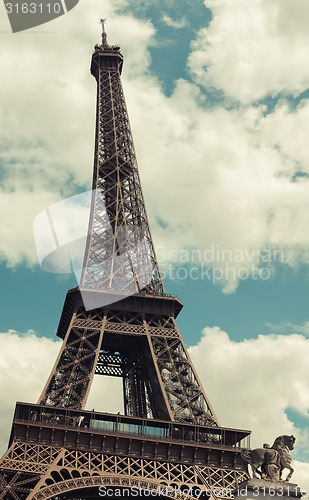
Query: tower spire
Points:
[120, 256]
[104, 36]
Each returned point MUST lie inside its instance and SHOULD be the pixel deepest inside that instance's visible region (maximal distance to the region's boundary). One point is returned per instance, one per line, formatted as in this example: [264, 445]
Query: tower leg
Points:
[70, 380]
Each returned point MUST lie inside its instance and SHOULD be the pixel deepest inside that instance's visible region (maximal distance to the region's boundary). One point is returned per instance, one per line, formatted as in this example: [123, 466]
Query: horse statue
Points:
[271, 460]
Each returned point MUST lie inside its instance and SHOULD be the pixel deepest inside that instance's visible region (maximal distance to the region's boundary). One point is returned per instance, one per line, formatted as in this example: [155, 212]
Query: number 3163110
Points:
[33, 8]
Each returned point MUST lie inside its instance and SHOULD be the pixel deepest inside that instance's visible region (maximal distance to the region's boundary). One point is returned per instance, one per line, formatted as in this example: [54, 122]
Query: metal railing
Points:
[121, 424]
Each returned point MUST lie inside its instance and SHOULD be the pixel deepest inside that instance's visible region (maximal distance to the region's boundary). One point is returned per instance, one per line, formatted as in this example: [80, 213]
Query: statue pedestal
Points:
[259, 489]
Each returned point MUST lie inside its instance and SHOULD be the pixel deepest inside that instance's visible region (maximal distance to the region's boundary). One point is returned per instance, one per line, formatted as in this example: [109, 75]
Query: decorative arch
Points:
[90, 481]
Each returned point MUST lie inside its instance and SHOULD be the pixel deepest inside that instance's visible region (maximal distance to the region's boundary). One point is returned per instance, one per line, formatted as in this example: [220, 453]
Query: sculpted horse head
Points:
[285, 442]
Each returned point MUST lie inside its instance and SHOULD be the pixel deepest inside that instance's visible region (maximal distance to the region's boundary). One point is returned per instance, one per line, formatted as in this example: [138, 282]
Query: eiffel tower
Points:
[120, 322]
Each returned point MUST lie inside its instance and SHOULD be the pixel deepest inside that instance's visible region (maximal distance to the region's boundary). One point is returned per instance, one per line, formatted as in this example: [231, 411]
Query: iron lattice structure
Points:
[118, 223]
[169, 434]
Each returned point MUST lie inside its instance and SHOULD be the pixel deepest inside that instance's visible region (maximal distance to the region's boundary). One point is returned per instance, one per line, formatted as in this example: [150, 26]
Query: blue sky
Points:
[217, 94]
[254, 308]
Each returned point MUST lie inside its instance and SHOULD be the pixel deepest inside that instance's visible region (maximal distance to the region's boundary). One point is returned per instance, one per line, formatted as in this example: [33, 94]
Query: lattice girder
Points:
[166, 387]
[70, 380]
[118, 216]
[69, 470]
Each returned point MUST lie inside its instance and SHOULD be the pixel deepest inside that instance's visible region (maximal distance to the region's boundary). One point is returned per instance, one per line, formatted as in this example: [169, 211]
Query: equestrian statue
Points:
[271, 460]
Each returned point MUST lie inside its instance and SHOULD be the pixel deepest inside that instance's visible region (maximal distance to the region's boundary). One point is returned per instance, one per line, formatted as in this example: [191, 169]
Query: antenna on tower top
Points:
[104, 36]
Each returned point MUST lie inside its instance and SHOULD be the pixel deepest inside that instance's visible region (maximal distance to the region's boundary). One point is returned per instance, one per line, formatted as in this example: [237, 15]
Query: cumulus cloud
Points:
[253, 49]
[232, 177]
[25, 361]
[18, 208]
[48, 114]
[223, 179]
[284, 129]
[252, 383]
[301, 475]
[268, 375]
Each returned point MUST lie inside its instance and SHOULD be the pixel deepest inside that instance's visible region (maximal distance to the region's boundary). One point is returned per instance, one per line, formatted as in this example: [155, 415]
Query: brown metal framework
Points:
[54, 451]
[169, 434]
[118, 222]
[137, 343]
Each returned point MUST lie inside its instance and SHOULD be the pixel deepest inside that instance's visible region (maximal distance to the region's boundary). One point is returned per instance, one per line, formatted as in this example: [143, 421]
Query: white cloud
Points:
[18, 208]
[286, 327]
[284, 129]
[253, 382]
[48, 113]
[25, 362]
[221, 176]
[301, 475]
[252, 49]
[173, 23]
[216, 176]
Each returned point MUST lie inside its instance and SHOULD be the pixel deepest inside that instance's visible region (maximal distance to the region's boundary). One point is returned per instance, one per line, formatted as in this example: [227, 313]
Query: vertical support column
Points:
[71, 377]
[159, 398]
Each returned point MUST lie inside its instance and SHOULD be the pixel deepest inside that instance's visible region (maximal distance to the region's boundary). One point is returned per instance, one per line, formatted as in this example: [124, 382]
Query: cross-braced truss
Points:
[146, 350]
[43, 472]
